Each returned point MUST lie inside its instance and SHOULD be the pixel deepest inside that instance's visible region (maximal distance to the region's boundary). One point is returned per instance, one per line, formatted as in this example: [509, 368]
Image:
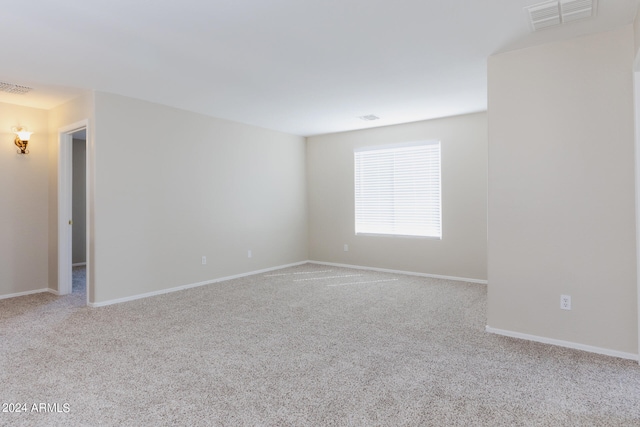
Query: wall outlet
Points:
[249, 254]
[204, 260]
[565, 302]
[346, 247]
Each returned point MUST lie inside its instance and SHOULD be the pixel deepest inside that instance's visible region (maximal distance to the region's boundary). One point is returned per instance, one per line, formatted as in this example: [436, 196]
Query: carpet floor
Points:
[304, 346]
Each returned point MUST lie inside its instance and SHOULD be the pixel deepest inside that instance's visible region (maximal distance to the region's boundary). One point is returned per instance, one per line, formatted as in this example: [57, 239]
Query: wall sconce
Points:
[22, 139]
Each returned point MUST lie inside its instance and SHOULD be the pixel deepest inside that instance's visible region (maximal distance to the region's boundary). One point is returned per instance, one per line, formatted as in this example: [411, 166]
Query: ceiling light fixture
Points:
[369, 117]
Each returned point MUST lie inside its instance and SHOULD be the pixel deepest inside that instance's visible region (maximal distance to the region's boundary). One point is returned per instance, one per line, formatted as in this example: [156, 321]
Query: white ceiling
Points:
[304, 67]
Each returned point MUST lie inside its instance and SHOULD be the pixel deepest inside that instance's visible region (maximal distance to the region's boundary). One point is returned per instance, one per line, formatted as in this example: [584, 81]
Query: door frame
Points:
[65, 198]
[636, 117]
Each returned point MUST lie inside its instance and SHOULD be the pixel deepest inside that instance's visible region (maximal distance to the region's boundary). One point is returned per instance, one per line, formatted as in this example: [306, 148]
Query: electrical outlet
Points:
[204, 260]
[346, 247]
[249, 254]
[565, 302]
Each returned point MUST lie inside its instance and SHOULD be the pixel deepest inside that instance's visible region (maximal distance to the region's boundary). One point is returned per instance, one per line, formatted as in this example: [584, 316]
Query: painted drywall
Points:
[23, 202]
[462, 250]
[76, 110]
[172, 186]
[636, 33]
[561, 191]
[79, 203]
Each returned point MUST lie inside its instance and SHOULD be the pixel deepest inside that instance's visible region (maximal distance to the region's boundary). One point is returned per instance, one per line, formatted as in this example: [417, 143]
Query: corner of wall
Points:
[636, 36]
[75, 110]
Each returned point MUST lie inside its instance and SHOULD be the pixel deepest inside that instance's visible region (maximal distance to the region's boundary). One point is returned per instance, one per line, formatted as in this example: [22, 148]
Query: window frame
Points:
[399, 146]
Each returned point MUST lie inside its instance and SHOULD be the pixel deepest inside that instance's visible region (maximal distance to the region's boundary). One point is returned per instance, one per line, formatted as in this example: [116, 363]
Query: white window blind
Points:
[397, 190]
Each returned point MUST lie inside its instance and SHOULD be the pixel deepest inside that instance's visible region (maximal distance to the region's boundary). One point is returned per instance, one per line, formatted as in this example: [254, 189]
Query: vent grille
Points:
[16, 89]
[574, 10]
[545, 15]
[552, 13]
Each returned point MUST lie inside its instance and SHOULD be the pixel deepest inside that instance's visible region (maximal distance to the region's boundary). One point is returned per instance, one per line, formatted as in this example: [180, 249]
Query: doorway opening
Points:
[73, 219]
[79, 212]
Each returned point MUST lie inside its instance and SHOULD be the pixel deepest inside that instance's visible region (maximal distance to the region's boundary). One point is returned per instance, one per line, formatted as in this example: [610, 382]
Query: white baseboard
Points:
[21, 294]
[192, 285]
[410, 273]
[561, 343]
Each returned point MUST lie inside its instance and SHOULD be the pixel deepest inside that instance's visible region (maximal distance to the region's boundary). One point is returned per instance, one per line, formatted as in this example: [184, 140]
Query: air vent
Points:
[16, 89]
[369, 117]
[544, 15]
[574, 10]
[552, 13]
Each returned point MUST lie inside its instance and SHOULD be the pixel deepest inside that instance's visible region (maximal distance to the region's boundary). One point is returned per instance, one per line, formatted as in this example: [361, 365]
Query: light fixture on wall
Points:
[22, 139]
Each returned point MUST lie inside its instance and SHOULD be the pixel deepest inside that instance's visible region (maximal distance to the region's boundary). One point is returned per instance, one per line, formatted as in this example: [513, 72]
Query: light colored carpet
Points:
[79, 281]
[305, 346]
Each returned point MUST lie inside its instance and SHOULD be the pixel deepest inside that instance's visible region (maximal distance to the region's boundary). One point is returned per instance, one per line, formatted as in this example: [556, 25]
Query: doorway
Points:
[79, 212]
[73, 218]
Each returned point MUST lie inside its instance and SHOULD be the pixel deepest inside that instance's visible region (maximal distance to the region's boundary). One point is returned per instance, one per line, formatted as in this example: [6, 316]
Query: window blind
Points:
[397, 190]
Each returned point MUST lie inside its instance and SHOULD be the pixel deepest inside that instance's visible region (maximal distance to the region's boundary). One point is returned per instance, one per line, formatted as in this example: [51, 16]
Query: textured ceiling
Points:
[304, 67]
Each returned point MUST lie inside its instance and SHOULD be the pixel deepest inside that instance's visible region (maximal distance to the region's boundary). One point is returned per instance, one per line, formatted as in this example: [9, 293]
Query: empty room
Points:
[304, 213]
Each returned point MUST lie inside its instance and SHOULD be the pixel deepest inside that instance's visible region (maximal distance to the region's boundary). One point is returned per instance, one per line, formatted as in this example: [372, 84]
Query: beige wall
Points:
[172, 186]
[561, 191]
[462, 250]
[636, 33]
[23, 202]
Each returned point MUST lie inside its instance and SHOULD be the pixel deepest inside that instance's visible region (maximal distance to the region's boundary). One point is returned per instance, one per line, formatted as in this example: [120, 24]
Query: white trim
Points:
[561, 343]
[636, 104]
[65, 171]
[21, 294]
[64, 211]
[53, 291]
[410, 273]
[78, 264]
[192, 285]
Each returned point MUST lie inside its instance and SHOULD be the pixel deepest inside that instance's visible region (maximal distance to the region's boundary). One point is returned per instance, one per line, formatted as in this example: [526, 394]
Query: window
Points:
[397, 190]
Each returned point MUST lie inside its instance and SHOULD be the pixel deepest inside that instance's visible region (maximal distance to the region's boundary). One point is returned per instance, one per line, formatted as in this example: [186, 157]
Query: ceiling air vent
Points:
[11, 88]
[544, 15]
[574, 10]
[556, 12]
